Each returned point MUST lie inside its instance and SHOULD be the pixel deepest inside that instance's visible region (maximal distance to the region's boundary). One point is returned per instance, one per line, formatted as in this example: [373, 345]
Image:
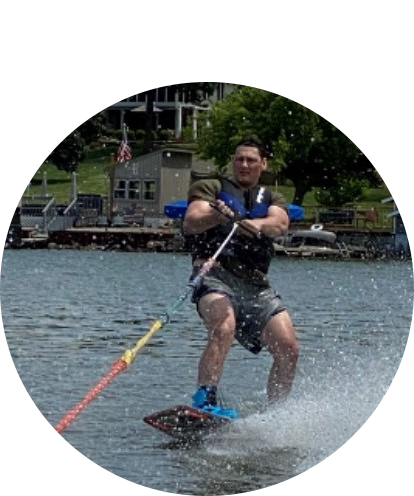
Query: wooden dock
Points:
[123, 238]
[352, 241]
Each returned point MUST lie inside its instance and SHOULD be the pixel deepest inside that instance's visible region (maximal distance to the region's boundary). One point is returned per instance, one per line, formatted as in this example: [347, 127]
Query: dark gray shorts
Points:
[253, 304]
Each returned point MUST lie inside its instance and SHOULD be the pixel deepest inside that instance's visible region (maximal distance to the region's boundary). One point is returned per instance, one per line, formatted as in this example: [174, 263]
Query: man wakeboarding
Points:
[235, 298]
[231, 223]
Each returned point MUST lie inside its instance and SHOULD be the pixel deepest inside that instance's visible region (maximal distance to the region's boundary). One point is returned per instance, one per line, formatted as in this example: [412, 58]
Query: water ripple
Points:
[69, 315]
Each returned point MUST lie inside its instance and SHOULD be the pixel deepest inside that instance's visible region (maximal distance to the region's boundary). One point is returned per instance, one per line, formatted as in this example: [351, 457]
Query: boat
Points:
[317, 242]
[309, 242]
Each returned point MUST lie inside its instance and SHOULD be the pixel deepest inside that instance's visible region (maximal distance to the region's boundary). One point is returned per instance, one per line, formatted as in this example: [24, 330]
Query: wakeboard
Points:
[185, 422]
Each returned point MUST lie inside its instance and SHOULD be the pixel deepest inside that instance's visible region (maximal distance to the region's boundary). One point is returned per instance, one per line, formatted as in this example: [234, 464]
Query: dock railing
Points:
[49, 214]
[69, 214]
[349, 217]
[38, 212]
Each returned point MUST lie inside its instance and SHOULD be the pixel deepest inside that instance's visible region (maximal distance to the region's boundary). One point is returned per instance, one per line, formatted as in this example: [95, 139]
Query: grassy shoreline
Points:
[92, 177]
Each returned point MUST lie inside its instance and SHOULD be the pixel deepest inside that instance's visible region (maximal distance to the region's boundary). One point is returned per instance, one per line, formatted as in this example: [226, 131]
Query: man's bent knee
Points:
[279, 336]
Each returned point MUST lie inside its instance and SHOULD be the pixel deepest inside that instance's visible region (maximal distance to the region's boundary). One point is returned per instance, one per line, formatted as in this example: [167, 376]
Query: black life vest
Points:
[253, 253]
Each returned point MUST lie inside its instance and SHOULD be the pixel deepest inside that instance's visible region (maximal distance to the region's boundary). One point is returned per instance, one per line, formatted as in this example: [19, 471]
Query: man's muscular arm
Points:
[200, 216]
[275, 224]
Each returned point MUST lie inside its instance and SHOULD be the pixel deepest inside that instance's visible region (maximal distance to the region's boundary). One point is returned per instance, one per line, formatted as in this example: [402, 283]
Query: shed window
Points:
[149, 190]
[134, 190]
[120, 189]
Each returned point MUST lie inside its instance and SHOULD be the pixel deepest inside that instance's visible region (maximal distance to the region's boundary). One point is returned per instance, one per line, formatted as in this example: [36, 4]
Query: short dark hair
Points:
[254, 143]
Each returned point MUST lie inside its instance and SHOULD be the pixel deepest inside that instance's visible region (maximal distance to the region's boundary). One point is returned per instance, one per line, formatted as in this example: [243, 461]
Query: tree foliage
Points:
[302, 146]
[59, 119]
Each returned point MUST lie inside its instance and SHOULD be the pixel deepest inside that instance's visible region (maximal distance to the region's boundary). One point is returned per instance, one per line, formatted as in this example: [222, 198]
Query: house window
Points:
[149, 190]
[134, 190]
[120, 189]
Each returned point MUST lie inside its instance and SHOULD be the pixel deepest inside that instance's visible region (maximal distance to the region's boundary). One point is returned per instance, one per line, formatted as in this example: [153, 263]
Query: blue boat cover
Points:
[176, 210]
[295, 212]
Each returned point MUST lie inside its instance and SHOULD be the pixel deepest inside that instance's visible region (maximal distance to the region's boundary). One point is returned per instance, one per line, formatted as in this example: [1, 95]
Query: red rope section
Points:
[118, 367]
[15, 472]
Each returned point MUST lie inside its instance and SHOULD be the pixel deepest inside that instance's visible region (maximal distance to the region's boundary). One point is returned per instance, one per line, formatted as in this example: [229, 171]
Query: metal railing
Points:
[353, 216]
[49, 214]
[37, 212]
[70, 213]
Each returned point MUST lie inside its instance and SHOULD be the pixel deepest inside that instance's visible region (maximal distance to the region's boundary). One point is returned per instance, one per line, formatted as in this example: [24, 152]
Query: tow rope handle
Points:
[230, 218]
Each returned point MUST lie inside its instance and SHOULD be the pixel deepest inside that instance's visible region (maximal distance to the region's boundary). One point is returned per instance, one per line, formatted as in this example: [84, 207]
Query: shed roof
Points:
[161, 151]
[169, 150]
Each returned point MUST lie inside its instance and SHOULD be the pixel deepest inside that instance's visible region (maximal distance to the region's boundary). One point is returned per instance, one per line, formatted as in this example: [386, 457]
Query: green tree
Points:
[59, 119]
[303, 146]
[348, 189]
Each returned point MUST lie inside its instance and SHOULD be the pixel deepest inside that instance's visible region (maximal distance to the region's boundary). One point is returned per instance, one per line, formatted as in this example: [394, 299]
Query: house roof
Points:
[399, 195]
[143, 108]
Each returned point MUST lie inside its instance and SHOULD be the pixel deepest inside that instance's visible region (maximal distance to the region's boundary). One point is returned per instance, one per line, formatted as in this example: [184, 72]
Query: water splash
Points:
[347, 413]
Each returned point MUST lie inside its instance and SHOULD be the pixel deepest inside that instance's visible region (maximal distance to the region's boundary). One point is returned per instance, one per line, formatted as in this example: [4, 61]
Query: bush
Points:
[187, 134]
[345, 191]
[100, 152]
[139, 134]
[137, 149]
[116, 134]
[163, 135]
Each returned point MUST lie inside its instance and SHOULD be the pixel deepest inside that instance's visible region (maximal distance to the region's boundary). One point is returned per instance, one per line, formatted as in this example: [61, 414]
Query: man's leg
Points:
[279, 338]
[218, 316]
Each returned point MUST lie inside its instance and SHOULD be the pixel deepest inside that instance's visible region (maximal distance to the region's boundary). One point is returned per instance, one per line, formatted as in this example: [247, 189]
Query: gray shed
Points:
[403, 217]
[144, 185]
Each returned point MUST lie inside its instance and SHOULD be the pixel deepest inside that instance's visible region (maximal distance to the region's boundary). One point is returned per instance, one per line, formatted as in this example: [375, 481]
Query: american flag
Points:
[124, 151]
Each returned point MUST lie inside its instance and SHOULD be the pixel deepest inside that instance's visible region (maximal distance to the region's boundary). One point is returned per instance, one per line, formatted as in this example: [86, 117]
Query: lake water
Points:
[68, 315]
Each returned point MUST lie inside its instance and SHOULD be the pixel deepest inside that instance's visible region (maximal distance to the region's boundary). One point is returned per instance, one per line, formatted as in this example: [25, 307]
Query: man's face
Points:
[247, 166]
